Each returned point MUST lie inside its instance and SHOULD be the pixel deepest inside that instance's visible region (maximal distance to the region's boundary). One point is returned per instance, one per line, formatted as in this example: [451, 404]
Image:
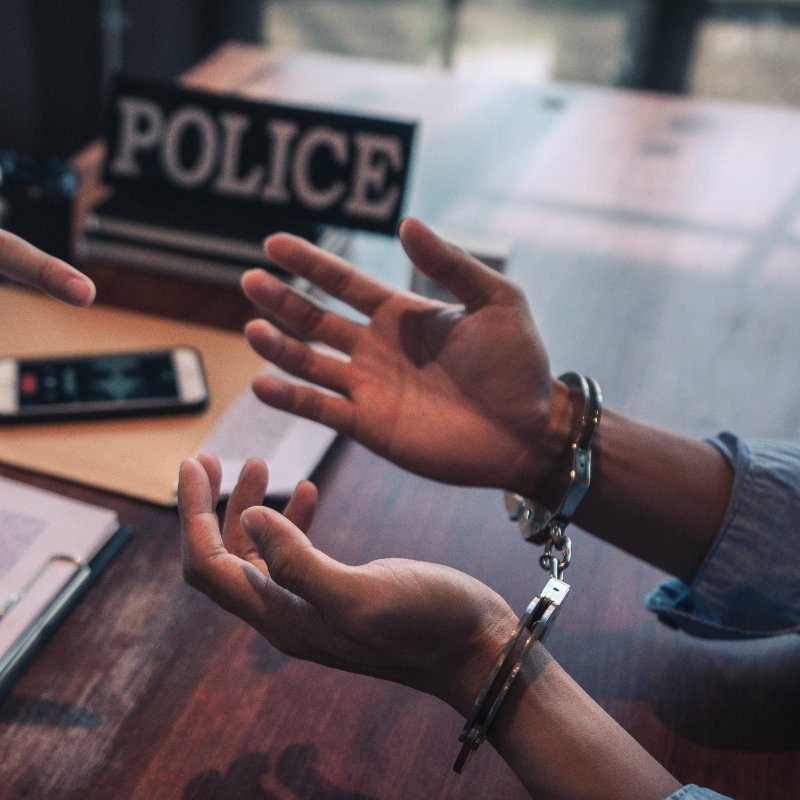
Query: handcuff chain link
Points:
[563, 544]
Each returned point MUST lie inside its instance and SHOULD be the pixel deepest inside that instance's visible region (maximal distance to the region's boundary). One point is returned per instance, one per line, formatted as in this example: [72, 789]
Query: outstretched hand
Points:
[27, 264]
[423, 625]
[456, 392]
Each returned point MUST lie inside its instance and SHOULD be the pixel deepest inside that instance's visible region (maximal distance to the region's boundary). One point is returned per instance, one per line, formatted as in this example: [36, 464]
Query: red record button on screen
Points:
[28, 384]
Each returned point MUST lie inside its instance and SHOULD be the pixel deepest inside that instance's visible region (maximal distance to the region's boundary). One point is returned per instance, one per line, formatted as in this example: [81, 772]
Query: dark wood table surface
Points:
[657, 239]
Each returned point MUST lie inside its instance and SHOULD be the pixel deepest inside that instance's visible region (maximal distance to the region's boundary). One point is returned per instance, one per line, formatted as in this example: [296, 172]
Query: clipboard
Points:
[54, 548]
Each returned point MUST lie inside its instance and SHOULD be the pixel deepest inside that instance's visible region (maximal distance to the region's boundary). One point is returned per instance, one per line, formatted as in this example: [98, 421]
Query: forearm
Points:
[563, 746]
[655, 494]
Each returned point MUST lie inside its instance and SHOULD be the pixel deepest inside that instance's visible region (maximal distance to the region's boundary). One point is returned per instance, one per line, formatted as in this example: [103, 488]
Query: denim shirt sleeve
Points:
[692, 792]
[749, 583]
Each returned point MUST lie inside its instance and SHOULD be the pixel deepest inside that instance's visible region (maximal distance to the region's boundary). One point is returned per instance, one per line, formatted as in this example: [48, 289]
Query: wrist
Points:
[524, 695]
[562, 744]
[476, 664]
[551, 453]
[530, 629]
[541, 472]
[542, 523]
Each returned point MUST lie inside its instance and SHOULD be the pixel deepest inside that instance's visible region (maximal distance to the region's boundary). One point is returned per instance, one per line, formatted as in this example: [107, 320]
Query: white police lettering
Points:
[192, 175]
[281, 133]
[315, 139]
[325, 164]
[375, 153]
[140, 129]
[228, 181]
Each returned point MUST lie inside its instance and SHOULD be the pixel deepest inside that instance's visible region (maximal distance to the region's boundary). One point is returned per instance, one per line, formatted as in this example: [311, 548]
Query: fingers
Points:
[236, 584]
[472, 282]
[306, 401]
[201, 535]
[294, 563]
[27, 264]
[302, 505]
[298, 358]
[243, 586]
[329, 272]
[298, 312]
[214, 472]
[249, 491]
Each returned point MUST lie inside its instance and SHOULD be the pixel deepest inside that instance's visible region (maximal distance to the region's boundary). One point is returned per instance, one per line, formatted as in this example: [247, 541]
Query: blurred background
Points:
[56, 57]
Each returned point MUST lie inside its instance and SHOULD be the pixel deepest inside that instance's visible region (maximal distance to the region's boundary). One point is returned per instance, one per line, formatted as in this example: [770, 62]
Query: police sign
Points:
[333, 168]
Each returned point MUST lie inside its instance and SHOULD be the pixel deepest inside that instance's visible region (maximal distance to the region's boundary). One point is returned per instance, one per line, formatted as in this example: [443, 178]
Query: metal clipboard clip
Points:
[82, 570]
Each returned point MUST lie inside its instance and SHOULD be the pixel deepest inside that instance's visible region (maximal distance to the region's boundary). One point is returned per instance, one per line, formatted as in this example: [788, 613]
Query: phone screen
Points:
[97, 379]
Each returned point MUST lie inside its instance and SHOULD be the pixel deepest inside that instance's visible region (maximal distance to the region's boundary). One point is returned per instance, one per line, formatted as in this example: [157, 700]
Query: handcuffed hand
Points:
[455, 392]
[424, 625]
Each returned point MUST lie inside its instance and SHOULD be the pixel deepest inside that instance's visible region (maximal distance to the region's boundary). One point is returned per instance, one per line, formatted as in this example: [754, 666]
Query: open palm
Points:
[456, 392]
[424, 625]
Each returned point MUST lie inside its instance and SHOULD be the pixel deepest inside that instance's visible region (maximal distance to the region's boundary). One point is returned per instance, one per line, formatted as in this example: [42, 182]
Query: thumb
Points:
[293, 562]
[472, 282]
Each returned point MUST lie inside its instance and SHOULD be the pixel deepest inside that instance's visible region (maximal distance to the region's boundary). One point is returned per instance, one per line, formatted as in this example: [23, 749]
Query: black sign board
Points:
[318, 166]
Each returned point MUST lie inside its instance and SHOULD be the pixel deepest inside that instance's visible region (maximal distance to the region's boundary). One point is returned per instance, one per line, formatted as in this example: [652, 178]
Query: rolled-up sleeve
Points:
[749, 583]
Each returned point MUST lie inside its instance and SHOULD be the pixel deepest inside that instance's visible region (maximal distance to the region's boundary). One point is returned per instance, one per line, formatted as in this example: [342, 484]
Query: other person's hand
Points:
[25, 263]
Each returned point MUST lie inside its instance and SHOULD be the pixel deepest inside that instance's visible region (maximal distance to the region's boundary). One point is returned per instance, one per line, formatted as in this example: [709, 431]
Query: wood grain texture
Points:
[657, 241]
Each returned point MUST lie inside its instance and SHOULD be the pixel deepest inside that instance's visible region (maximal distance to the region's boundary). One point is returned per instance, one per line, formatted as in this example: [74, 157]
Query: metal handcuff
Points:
[539, 526]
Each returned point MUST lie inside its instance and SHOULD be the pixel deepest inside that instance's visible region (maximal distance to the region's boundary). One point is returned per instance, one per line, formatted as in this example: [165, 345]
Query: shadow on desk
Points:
[734, 695]
[294, 770]
[741, 695]
[33, 711]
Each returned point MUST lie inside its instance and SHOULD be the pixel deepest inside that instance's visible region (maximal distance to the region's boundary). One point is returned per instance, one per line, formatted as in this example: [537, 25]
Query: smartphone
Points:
[102, 385]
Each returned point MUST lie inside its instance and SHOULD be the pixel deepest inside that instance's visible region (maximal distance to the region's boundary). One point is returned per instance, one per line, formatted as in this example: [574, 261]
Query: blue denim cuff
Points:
[692, 792]
[749, 583]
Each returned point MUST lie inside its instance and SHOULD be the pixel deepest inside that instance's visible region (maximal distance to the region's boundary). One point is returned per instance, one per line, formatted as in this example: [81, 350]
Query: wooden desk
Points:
[657, 239]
